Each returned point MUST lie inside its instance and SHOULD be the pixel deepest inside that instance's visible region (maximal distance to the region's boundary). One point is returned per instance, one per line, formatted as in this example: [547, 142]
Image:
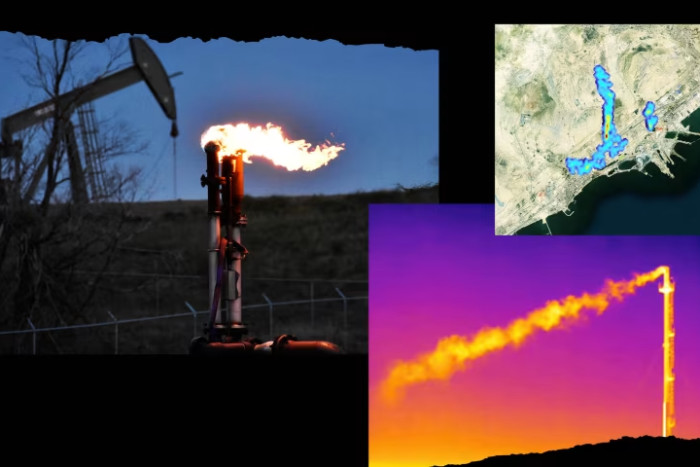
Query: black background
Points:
[227, 411]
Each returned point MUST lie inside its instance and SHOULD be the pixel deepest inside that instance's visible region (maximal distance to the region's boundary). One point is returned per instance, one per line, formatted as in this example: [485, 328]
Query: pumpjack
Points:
[146, 68]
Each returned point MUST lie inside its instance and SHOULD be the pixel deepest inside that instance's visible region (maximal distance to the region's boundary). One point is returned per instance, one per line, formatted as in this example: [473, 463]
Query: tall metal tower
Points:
[669, 413]
[92, 151]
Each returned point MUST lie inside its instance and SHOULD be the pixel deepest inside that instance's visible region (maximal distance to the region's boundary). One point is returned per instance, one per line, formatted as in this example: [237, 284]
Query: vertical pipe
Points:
[227, 220]
[670, 332]
[236, 213]
[214, 211]
[664, 414]
[174, 170]
[669, 417]
[214, 247]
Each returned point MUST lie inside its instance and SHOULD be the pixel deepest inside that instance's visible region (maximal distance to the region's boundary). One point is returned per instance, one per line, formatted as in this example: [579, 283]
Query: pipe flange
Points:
[280, 342]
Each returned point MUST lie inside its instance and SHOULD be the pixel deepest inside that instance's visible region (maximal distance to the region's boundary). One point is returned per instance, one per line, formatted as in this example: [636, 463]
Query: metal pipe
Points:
[214, 211]
[669, 416]
[289, 344]
[202, 347]
[310, 347]
[227, 220]
[236, 194]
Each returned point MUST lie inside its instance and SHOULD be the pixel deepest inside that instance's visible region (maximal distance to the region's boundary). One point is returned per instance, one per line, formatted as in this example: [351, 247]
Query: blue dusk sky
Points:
[381, 102]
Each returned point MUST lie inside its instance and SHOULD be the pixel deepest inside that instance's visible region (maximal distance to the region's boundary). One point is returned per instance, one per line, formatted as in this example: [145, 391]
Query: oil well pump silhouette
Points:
[86, 172]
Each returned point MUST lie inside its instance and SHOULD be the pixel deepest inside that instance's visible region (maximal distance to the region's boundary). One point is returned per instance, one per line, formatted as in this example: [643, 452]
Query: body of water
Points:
[634, 203]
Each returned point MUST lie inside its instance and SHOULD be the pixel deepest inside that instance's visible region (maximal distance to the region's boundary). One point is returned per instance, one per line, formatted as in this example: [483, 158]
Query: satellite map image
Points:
[579, 103]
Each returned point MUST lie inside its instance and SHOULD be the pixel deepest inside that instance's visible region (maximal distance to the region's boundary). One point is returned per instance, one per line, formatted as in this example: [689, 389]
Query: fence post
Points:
[194, 314]
[116, 332]
[33, 336]
[311, 294]
[269, 302]
[345, 317]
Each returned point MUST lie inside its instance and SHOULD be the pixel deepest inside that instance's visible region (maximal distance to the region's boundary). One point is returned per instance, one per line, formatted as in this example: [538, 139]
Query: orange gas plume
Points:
[452, 352]
[270, 143]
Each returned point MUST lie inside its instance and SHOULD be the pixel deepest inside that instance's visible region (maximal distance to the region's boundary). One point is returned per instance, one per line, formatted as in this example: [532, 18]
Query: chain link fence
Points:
[328, 312]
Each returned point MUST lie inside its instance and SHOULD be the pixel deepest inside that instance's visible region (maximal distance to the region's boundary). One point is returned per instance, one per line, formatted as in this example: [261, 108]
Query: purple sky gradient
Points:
[438, 270]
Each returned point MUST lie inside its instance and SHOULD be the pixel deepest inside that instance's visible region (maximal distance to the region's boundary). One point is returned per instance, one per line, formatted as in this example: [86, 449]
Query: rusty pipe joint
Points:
[288, 344]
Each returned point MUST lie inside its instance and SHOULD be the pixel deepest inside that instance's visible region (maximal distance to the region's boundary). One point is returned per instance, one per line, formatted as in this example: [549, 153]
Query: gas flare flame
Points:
[271, 143]
[452, 352]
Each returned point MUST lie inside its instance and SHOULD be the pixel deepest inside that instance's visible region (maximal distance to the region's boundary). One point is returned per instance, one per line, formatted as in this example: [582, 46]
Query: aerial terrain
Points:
[578, 102]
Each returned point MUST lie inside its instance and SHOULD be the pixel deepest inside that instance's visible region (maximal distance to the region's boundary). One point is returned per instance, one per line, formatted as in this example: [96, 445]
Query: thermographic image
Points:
[482, 345]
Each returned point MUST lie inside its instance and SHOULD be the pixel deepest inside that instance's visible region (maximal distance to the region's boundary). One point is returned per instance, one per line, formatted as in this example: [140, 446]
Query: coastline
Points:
[621, 205]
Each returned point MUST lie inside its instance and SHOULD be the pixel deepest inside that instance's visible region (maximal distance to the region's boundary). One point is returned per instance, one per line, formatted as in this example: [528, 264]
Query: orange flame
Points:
[270, 142]
[451, 352]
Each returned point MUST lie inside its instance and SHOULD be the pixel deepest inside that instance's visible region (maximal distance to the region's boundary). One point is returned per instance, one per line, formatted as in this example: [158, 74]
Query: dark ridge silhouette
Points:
[646, 450]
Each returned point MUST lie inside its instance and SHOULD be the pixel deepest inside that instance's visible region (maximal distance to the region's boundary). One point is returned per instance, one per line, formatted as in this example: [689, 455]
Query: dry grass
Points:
[310, 237]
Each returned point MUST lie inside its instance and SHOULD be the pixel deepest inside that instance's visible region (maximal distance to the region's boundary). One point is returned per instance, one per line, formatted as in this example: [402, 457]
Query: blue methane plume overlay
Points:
[649, 118]
[612, 142]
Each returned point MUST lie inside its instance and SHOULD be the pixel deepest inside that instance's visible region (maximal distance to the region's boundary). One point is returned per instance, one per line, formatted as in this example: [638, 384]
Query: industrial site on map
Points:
[575, 102]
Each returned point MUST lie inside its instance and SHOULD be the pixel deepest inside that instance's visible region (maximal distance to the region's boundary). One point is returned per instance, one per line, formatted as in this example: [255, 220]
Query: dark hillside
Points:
[299, 247]
[646, 450]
